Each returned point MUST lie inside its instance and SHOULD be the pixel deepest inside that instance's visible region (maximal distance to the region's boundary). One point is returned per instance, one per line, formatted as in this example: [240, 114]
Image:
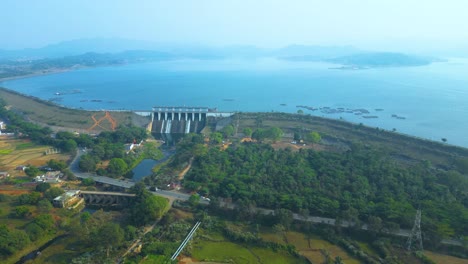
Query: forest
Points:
[362, 185]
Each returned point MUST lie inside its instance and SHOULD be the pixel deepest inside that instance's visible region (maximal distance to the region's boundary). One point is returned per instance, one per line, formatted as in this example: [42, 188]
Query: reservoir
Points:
[428, 101]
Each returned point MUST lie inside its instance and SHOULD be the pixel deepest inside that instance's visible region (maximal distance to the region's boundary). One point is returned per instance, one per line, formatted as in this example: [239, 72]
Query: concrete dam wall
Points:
[178, 120]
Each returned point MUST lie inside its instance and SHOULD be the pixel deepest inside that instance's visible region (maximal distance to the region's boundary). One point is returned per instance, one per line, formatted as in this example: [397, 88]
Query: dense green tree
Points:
[228, 131]
[247, 132]
[147, 207]
[12, 240]
[194, 199]
[44, 206]
[359, 185]
[32, 171]
[34, 231]
[42, 187]
[275, 133]
[53, 192]
[216, 138]
[117, 166]
[87, 163]
[88, 182]
[109, 236]
[69, 145]
[130, 232]
[313, 137]
[57, 164]
[22, 211]
[29, 198]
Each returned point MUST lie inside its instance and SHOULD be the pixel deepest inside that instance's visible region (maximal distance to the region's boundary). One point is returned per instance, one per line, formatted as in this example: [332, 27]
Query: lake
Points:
[431, 101]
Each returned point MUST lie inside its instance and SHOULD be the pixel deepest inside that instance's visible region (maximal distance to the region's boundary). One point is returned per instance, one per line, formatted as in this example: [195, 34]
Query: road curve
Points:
[173, 195]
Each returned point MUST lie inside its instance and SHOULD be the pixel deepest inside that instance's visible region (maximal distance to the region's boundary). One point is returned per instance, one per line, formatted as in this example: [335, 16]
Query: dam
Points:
[167, 120]
[179, 120]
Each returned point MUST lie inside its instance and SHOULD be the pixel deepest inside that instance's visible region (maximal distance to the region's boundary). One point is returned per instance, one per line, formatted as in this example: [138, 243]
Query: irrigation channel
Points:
[33, 254]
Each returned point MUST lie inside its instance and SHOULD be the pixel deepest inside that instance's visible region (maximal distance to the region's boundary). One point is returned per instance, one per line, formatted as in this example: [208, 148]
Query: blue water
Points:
[143, 169]
[434, 98]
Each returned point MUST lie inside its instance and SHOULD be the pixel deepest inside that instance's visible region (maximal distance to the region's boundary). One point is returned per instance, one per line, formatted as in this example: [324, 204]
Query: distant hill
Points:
[101, 51]
[313, 53]
[382, 59]
[80, 46]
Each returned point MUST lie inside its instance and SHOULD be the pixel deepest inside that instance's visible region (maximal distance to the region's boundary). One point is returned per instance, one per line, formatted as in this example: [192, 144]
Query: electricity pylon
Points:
[415, 239]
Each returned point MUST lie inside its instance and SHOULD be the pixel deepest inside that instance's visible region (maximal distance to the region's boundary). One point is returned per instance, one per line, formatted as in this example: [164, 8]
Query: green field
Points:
[228, 252]
[5, 151]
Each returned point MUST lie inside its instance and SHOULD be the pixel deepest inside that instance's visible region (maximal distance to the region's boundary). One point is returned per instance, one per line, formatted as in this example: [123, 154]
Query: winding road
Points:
[171, 195]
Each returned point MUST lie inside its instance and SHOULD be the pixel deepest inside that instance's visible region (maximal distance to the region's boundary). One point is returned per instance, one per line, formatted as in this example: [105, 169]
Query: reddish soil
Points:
[14, 192]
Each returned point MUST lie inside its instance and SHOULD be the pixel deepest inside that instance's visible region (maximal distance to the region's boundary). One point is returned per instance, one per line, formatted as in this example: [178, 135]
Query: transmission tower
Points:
[415, 239]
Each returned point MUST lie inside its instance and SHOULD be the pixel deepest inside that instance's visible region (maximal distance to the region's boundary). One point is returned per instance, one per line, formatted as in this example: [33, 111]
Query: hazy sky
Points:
[425, 24]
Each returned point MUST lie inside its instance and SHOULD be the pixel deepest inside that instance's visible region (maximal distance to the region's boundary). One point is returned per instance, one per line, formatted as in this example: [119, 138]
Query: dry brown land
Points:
[65, 119]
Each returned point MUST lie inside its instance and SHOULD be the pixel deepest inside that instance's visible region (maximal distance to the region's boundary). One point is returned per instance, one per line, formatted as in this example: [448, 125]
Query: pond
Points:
[144, 168]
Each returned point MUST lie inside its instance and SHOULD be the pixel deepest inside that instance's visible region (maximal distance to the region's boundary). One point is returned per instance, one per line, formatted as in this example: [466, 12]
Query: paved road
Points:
[172, 195]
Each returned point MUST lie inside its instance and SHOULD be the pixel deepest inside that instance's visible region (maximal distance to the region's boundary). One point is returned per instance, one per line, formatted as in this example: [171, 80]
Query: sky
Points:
[374, 24]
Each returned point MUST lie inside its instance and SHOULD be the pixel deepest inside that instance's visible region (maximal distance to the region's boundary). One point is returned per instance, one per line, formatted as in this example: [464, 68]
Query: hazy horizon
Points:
[416, 26]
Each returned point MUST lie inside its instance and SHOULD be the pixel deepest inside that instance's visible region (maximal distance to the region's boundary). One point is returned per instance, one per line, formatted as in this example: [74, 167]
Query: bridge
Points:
[106, 198]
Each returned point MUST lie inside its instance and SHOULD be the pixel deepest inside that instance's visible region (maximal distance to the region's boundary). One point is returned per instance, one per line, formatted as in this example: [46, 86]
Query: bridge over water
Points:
[107, 198]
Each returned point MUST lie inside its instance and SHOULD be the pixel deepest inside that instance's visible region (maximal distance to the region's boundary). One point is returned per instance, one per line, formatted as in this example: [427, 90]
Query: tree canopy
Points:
[361, 184]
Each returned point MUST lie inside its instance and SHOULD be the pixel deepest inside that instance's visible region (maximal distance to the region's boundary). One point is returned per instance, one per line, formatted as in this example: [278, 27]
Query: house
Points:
[50, 177]
[129, 147]
[4, 174]
[21, 168]
[68, 199]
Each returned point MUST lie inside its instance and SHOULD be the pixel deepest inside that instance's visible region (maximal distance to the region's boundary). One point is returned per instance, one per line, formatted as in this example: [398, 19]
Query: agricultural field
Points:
[312, 252]
[228, 252]
[444, 259]
[15, 152]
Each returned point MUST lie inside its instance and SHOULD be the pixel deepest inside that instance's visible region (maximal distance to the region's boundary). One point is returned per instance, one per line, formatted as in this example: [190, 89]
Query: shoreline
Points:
[37, 74]
[328, 118]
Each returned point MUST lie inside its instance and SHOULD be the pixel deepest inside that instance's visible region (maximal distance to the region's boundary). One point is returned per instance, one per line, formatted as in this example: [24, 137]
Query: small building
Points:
[4, 174]
[129, 147]
[68, 199]
[50, 177]
[21, 168]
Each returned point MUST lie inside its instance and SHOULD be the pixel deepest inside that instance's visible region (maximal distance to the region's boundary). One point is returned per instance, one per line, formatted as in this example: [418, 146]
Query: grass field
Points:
[16, 152]
[58, 118]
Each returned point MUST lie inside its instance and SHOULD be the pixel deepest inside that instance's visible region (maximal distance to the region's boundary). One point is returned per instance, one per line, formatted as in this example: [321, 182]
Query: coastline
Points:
[38, 73]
